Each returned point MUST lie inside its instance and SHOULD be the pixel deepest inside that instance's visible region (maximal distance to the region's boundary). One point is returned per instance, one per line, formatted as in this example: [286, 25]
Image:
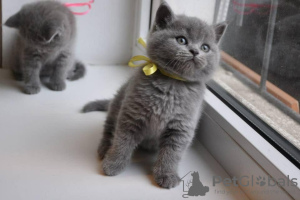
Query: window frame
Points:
[261, 128]
[247, 139]
[142, 24]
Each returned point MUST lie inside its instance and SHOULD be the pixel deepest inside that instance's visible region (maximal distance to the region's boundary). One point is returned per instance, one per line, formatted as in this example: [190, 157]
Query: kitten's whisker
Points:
[170, 61]
[186, 58]
[176, 63]
[186, 55]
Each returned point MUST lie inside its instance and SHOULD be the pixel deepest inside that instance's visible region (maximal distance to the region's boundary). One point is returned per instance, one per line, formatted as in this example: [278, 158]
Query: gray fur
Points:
[157, 111]
[77, 72]
[45, 43]
[100, 105]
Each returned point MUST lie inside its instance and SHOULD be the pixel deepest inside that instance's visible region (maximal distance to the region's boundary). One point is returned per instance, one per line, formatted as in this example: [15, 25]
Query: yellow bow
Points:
[148, 66]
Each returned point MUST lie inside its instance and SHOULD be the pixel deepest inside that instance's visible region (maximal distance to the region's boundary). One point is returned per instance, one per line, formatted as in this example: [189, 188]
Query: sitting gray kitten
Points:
[156, 111]
[45, 45]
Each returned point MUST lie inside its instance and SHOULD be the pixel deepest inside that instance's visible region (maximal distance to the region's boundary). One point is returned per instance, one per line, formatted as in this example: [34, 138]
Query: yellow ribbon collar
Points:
[149, 67]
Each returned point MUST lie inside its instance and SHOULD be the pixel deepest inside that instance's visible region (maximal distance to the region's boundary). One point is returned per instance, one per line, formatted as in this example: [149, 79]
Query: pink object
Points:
[81, 5]
[250, 7]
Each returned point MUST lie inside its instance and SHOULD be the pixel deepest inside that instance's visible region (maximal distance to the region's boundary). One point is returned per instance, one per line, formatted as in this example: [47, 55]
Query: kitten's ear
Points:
[164, 15]
[14, 21]
[220, 30]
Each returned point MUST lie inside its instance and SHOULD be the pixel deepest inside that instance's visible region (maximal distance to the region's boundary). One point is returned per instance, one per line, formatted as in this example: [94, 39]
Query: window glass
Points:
[261, 56]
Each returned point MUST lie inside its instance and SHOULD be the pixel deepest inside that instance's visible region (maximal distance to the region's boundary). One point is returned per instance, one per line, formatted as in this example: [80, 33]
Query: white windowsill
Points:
[48, 148]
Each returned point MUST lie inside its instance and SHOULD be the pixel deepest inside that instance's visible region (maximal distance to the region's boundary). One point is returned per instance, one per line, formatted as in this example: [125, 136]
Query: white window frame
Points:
[142, 19]
[260, 152]
[235, 130]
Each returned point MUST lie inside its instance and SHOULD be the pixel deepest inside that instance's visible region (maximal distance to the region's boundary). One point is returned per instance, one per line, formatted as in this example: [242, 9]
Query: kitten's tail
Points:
[77, 72]
[100, 105]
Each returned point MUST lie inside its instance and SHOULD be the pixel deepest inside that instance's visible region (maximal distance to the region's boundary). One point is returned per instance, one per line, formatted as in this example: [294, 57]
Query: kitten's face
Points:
[183, 45]
[38, 25]
[47, 34]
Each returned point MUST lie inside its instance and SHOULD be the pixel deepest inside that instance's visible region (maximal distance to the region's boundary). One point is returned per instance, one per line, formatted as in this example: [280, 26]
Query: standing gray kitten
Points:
[45, 45]
[156, 111]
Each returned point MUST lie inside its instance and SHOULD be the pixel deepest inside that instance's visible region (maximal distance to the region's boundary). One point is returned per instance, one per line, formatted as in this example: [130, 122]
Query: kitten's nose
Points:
[195, 52]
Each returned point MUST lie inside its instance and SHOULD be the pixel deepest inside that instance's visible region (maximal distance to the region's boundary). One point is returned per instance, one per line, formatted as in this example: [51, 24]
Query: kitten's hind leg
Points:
[113, 107]
[77, 72]
[110, 123]
[107, 138]
[126, 138]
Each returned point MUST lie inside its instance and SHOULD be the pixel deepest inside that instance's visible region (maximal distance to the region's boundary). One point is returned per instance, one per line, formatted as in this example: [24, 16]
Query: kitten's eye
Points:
[181, 40]
[205, 48]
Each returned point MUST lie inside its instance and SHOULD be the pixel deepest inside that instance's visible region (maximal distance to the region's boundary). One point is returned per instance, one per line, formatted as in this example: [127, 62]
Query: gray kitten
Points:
[156, 111]
[45, 46]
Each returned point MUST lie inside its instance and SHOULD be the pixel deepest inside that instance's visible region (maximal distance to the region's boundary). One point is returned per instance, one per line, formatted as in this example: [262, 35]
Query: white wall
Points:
[104, 35]
[203, 9]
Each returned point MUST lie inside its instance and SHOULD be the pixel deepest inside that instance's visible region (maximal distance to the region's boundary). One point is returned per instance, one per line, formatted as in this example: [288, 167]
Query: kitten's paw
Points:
[32, 89]
[168, 180]
[113, 167]
[57, 86]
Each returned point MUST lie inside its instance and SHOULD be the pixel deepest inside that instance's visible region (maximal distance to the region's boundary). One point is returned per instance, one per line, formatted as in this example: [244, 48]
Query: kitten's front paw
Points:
[32, 89]
[113, 167]
[57, 86]
[168, 180]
